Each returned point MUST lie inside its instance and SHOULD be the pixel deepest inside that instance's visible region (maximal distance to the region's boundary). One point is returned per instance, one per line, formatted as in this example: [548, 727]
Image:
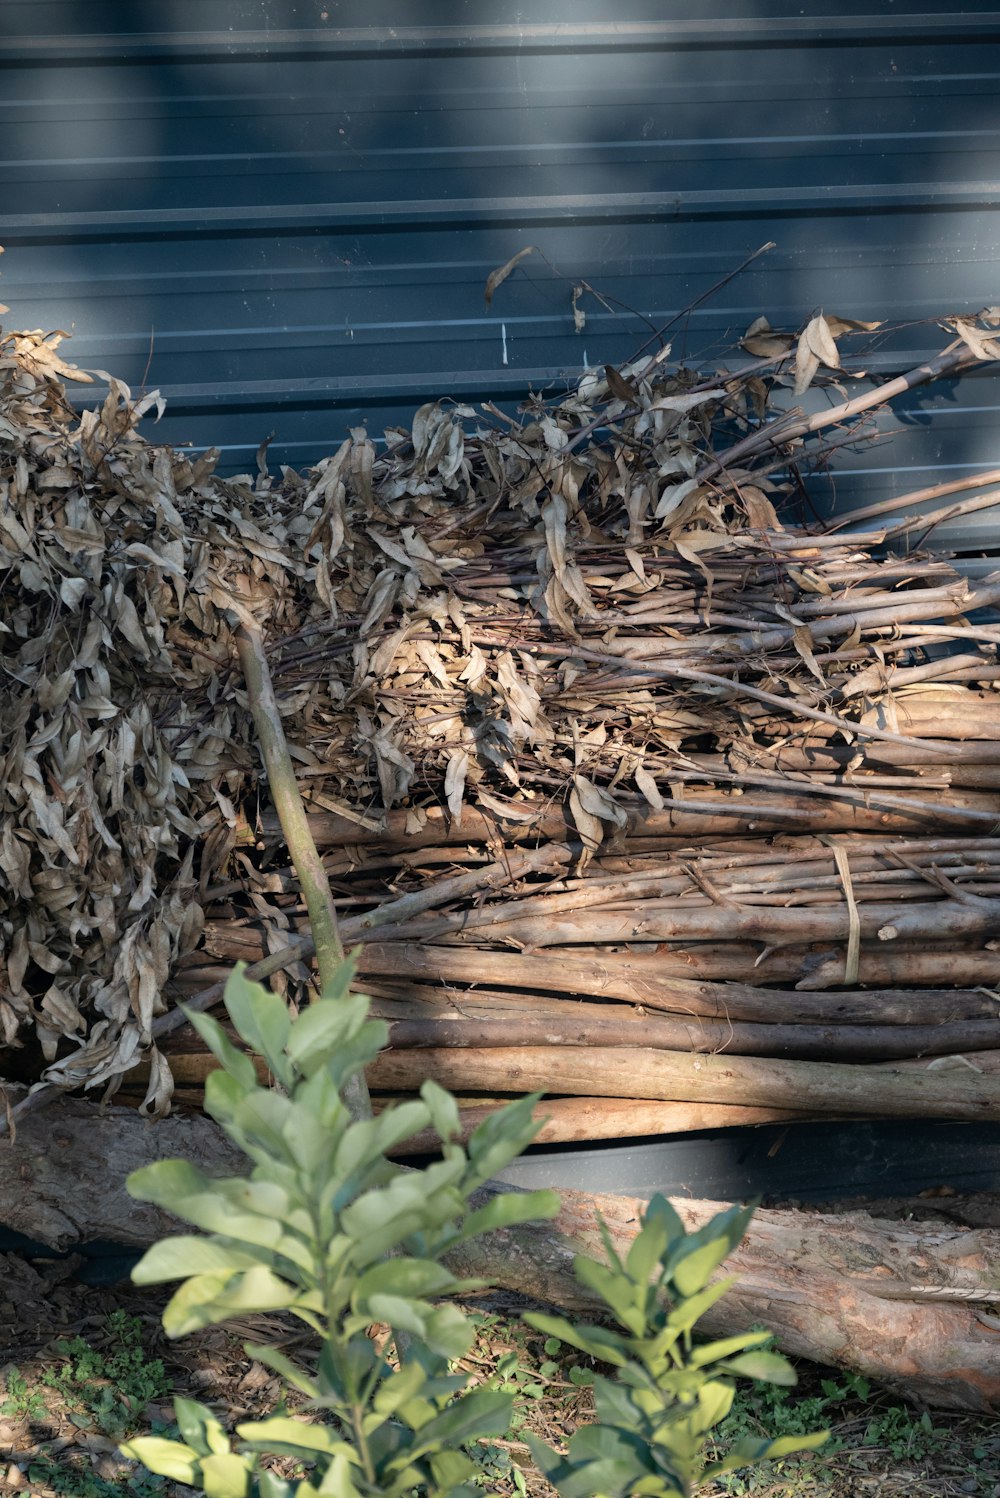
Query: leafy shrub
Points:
[655, 1418]
[330, 1231]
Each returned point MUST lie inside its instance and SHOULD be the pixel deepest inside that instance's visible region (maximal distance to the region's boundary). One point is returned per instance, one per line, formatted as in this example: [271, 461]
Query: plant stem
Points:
[295, 825]
[287, 801]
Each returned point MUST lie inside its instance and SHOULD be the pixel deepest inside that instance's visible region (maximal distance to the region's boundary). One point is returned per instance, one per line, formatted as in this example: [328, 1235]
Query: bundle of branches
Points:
[587, 631]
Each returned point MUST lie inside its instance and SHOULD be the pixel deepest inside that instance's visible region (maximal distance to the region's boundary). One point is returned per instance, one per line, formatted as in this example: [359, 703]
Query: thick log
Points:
[900, 1301]
[974, 753]
[802, 1041]
[569, 1120]
[903, 1302]
[641, 980]
[934, 964]
[944, 713]
[952, 919]
[62, 1174]
[718, 814]
[811, 968]
[584, 1071]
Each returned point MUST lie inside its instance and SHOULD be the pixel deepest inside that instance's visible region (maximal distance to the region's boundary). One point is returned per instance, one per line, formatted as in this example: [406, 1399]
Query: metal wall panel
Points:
[283, 212]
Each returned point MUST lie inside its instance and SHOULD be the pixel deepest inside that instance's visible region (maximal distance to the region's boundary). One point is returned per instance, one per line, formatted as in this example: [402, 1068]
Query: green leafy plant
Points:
[22, 1401]
[109, 1388]
[329, 1230]
[655, 1418]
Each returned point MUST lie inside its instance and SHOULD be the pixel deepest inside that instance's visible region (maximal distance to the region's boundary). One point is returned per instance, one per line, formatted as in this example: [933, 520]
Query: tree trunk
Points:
[904, 1302]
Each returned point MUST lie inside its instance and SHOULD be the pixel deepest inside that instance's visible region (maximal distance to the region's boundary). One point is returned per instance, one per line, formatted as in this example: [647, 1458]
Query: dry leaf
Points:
[497, 277]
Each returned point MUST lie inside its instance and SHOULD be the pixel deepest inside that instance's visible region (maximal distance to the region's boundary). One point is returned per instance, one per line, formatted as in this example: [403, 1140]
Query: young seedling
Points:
[655, 1418]
[328, 1230]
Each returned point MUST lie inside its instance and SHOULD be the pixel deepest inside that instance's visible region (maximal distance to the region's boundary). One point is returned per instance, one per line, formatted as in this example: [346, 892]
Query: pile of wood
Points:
[631, 788]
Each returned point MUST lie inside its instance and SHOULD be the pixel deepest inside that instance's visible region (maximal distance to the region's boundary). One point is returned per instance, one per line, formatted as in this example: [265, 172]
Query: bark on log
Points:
[699, 1036]
[904, 1302]
[62, 1174]
[748, 1081]
[574, 1120]
[954, 919]
[641, 980]
[811, 968]
[724, 815]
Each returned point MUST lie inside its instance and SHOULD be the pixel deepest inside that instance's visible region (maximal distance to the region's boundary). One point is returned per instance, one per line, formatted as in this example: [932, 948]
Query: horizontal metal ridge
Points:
[706, 31]
[870, 197]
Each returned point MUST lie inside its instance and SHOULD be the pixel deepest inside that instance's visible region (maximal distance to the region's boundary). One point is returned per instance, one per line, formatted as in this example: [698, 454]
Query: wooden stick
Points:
[606, 1032]
[747, 1081]
[951, 360]
[287, 800]
[640, 980]
[652, 921]
[569, 1120]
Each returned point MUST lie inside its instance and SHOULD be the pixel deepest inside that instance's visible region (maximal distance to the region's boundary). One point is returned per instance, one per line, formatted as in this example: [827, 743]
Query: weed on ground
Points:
[111, 1374]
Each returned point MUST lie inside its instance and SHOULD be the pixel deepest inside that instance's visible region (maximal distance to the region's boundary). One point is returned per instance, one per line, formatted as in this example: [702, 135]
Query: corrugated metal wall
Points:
[283, 212]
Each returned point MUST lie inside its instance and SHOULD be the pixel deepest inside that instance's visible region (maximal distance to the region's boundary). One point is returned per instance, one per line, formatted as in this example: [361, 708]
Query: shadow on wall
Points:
[283, 212]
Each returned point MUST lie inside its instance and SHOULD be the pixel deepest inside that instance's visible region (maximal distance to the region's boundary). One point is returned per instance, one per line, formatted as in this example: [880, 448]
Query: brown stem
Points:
[951, 360]
[288, 802]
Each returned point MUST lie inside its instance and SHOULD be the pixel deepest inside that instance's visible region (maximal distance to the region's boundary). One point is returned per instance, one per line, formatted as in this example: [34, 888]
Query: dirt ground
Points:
[85, 1366]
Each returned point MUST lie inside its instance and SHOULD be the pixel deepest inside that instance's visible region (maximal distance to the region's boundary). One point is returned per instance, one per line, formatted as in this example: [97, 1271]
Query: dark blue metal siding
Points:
[283, 212]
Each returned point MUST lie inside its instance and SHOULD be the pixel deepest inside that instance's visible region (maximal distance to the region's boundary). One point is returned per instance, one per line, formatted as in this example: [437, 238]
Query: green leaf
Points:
[647, 1249]
[380, 1219]
[597, 1341]
[768, 1367]
[293, 1438]
[545, 1459]
[450, 1468]
[485, 1412]
[319, 1098]
[659, 1210]
[270, 1486]
[693, 1271]
[366, 1140]
[336, 989]
[443, 1329]
[199, 1427]
[262, 1020]
[179, 1258]
[500, 1138]
[331, 1030]
[506, 1210]
[715, 1400]
[170, 1459]
[606, 1443]
[614, 1403]
[442, 1108]
[223, 1095]
[236, 1063]
[207, 1299]
[399, 1388]
[406, 1277]
[226, 1475]
[785, 1445]
[614, 1288]
[263, 1117]
[711, 1352]
[289, 1371]
[166, 1181]
[686, 1313]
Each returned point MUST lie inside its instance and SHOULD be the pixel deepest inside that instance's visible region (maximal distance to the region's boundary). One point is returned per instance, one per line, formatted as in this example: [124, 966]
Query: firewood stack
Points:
[630, 790]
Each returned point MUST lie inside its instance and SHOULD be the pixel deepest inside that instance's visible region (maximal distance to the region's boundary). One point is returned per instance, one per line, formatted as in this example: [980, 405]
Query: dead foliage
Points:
[529, 647]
